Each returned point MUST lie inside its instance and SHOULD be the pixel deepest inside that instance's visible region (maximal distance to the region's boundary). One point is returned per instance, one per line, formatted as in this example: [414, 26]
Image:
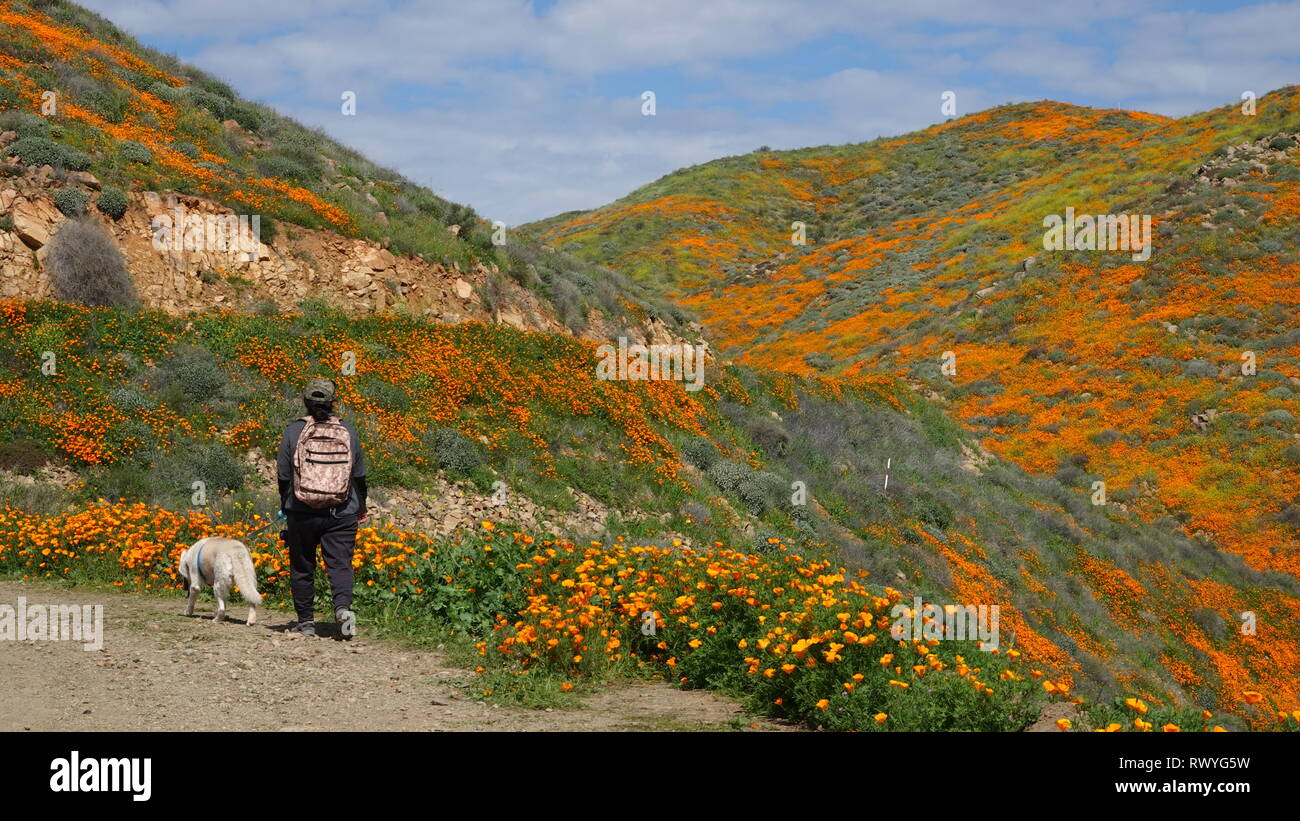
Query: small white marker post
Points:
[888, 462]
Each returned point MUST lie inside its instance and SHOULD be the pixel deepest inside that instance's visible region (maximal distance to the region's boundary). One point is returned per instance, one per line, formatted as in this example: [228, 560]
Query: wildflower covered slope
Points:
[1088, 364]
[81, 96]
[757, 473]
[1166, 386]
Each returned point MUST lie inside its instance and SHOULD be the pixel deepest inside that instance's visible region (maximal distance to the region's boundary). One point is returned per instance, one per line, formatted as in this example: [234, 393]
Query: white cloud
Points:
[515, 109]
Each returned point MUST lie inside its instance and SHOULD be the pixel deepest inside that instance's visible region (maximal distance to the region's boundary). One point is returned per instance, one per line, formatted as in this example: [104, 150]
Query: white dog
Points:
[221, 564]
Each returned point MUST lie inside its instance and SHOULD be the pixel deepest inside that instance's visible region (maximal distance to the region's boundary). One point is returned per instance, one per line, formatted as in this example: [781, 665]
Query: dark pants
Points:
[337, 538]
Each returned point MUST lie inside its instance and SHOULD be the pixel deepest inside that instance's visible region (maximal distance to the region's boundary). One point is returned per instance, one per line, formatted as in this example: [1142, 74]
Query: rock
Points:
[153, 204]
[84, 178]
[377, 259]
[356, 281]
[511, 317]
[463, 289]
[34, 221]
[983, 292]
[454, 229]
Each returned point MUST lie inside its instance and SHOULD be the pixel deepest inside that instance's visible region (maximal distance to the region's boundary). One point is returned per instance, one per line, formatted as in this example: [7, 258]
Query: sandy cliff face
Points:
[300, 263]
[355, 274]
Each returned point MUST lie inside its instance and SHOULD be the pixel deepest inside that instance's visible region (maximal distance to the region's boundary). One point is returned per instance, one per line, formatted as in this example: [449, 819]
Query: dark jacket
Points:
[290, 503]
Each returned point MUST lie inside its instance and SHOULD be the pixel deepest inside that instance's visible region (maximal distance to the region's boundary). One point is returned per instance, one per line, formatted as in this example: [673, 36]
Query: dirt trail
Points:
[160, 671]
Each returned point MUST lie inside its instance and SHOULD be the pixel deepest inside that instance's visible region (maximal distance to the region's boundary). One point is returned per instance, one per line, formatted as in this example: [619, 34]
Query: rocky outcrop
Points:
[446, 506]
[357, 275]
[1259, 156]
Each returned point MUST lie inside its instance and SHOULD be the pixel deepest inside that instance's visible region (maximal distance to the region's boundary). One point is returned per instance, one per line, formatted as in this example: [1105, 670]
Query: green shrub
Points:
[216, 104]
[753, 496]
[113, 202]
[87, 268]
[274, 165]
[820, 360]
[129, 399]
[39, 151]
[71, 201]
[195, 372]
[29, 125]
[134, 152]
[110, 103]
[248, 116]
[728, 475]
[455, 451]
[209, 462]
[699, 451]
[166, 92]
[1105, 437]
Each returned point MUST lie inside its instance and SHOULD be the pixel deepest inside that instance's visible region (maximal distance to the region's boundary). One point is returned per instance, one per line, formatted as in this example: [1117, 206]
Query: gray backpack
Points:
[322, 463]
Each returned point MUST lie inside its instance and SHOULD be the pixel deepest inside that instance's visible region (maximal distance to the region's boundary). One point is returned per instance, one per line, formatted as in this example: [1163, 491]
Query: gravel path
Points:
[161, 671]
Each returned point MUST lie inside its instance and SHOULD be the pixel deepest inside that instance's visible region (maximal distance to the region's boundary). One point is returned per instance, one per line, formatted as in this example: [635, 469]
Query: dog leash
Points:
[279, 517]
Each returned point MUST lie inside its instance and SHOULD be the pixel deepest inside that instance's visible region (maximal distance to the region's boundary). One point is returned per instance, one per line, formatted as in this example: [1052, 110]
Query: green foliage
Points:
[113, 202]
[195, 372]
[216, 104]
[25, 124]
[454, 451]
[701, 452]
[71, 202]
[728, 475]
[39, 151]
[274, 165]
[134, 152]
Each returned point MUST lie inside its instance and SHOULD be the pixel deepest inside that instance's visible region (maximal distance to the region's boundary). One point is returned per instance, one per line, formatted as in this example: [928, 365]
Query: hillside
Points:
[86, 112]
[145, 404]
[769, 522]
[1088, 365]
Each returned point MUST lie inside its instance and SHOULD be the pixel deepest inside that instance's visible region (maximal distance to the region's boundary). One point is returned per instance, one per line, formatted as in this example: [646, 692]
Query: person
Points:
[325, 517]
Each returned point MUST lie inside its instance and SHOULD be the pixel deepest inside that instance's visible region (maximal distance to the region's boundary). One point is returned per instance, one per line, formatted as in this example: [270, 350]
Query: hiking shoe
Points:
[304, 628]
[347, 622]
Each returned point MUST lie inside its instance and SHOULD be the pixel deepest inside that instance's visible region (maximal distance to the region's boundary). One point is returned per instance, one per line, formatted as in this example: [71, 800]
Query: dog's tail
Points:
[246, 577]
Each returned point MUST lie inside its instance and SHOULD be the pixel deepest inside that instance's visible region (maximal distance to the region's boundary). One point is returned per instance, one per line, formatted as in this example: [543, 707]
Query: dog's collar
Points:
[198, 565]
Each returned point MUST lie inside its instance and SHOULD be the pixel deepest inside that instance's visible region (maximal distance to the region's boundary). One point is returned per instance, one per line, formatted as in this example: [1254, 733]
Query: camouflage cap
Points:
[319, 390]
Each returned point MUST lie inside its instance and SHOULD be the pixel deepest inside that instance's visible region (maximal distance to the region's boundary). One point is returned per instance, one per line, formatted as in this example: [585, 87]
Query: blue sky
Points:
[526, 109]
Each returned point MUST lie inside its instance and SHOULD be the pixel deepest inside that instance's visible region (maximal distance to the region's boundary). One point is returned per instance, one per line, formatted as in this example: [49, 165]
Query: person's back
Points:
[321, 516]
[288, 475]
